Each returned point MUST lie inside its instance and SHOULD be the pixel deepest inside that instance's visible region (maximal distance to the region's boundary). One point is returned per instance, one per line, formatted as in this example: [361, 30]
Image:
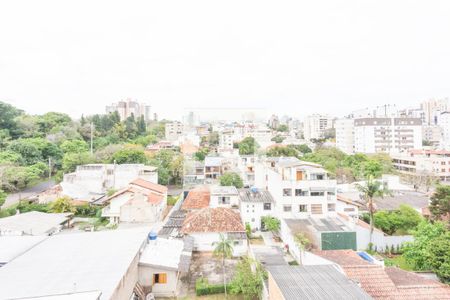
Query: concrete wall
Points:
[379, 239]
[126, 286]
[168, 289]
[204, 242]
[274, 291]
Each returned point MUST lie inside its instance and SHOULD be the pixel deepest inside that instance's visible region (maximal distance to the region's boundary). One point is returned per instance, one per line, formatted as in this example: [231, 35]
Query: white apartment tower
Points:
[433, 108]
[173, 130]
[345, 135]
[388, 135]
[128, 107]
[315, 126]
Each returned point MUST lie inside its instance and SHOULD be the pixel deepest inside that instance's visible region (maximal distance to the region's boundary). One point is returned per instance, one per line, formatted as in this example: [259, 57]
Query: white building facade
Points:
[345, 135]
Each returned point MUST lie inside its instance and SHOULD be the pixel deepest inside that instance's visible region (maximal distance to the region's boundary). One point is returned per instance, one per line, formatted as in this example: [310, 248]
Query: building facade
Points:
[316, 125]
[345, 135]
[127, 108]
[388, 135]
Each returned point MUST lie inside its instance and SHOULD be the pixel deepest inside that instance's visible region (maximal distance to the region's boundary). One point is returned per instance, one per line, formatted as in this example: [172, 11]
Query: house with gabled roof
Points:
[207, 224]
[141, 202]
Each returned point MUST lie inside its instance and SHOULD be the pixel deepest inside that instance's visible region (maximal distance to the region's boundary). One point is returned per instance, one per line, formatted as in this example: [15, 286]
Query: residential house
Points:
[300, 189]
[224, 196]
[213, 168]
[311, 282]
[162, 264]
[197, 198]
[91, 181]
[384, 282]
[207, 224]
[255, 204]
[141, 202]
[34, 223]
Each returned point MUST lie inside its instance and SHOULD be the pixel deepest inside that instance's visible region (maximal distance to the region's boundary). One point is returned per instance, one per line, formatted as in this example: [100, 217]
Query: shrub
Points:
[86, 210]
[202, 287]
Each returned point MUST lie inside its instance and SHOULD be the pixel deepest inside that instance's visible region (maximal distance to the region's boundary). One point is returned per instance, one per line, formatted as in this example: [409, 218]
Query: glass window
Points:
[303, 208]
[317, 194]
[331, 207]
[316, 209]
[160, 278]
[287, 192]
[267, 206]
[287, 208]
[300, 192]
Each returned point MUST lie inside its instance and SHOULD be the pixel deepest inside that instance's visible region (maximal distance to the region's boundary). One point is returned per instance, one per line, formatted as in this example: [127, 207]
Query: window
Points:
[316, 209]
[267, 206]
[287, 208]
[317, 194]
[349, 209]
[224, 200]
[331, 207]
[160, 278]
[287, 192]
[302, 208]
[300, 192]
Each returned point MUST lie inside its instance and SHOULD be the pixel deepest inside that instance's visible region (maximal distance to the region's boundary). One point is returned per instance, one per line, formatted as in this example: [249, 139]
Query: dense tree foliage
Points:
[231, 179]
[430, 249]
[400, 221]
[29, 143]
[440, 202]
[247, 146]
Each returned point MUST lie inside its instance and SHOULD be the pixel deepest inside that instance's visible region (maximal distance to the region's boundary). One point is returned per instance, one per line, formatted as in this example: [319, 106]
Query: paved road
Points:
[28, 192]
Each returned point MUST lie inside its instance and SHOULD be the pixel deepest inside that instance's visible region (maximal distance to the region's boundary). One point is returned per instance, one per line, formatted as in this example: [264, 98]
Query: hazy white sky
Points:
[295, 57]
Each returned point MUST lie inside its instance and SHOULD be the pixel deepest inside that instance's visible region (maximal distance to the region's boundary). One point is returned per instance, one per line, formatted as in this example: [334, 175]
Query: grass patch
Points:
[398, 261]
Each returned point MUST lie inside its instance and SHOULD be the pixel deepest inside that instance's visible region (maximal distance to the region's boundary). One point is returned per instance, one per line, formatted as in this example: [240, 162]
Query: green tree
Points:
[27, 149]
[404, 220]
[247, 146]
[278, 139]
[10, 156]
[438, 256]
[231, 179]
[372, 188]
[62, 205]
[74, 146]
[129, 156]
[248, 279]
[8, 114]
[271, 223]
[426, 237]
[223, 249]
[48, 121]
[278, 151]
[72, 160]
[440, 202]
[282, 128]
[3, 196]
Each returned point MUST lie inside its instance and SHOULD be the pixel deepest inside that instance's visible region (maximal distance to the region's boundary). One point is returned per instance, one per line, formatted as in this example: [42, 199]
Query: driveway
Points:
[28, 192]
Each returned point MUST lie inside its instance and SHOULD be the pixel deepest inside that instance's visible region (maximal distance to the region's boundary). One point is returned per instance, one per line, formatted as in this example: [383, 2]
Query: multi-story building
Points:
[345, 135]
[433, 135]
[226, 139]
[300, 189]
[254, 205]
[128, 107]
[424, 164]
[444, 123]
[174, 130]
[389, 135]
[433, 108]
[316, 125]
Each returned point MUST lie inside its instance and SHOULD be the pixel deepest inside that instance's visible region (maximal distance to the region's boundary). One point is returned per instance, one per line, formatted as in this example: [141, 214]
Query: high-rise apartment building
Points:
[316, 125]
[389, 135]
[129, 107]
[345, 135]
[433, 108]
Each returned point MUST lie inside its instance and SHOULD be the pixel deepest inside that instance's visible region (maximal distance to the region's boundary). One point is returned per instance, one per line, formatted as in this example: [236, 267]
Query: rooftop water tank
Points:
[152, 236]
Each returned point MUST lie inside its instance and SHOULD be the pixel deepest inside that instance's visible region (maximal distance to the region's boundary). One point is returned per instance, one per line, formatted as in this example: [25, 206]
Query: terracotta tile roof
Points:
[385, 283]
[149, 185]
[342, 257]
[373, 279]
[196, 199]
[213, 220]
[413, 286]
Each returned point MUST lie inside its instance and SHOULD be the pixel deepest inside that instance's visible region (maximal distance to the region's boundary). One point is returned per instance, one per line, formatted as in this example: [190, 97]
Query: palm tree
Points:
[223, 248]
[372, 188]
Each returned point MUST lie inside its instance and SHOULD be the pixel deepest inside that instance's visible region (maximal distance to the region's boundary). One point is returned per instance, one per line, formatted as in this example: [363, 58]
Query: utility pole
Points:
[92, 138]
[49, 168]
